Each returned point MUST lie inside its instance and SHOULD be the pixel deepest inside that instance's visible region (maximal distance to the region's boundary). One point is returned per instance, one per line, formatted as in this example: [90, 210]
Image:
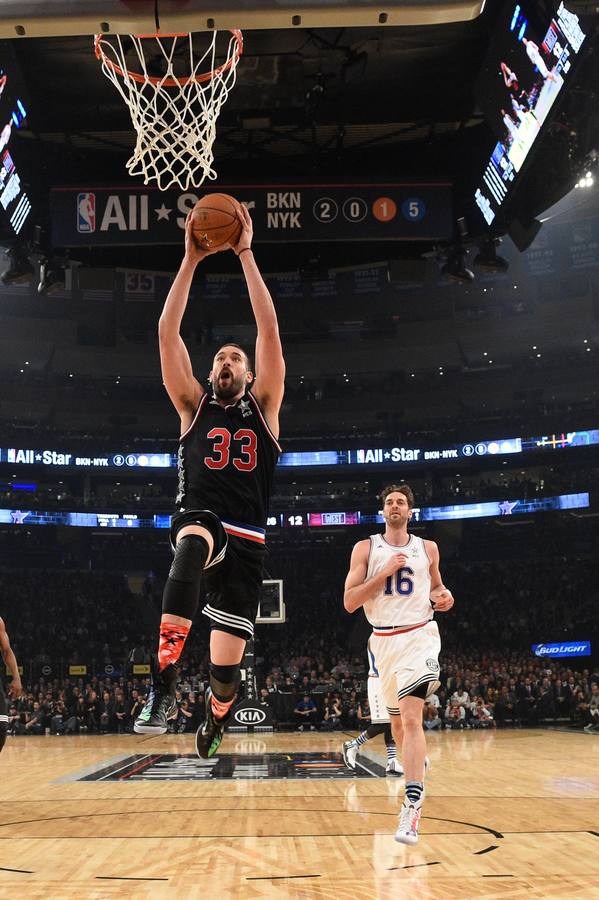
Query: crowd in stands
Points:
[476, 691]
[135, 495]
[517, 603]
[94, 706]
[450, 489]
[311, 671]
[125, 400]
[69, 616]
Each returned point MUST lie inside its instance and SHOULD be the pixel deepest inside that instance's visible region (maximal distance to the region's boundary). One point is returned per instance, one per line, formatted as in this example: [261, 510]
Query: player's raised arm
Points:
[441, 597]
[182, 387]
[270, 365]
[10, 662]
[358, 589]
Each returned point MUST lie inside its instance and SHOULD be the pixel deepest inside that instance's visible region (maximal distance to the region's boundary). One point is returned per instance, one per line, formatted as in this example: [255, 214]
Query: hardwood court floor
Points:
[508, 814]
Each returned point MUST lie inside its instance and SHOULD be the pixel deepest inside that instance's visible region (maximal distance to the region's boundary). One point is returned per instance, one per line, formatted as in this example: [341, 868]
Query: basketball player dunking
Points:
[395, 577]
[15, 690]
[227, 456]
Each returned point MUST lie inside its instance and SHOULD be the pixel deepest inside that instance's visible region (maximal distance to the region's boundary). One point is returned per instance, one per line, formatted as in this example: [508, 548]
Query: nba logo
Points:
[86, 213]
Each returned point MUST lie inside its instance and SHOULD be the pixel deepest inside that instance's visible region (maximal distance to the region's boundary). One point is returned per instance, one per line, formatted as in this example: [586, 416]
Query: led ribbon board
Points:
[365, 456]
[327, 519]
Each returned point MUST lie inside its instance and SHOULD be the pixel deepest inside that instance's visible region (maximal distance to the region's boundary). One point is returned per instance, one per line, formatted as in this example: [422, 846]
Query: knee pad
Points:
[182, 589]
[191, 554]
[224, 681]
[207, 520]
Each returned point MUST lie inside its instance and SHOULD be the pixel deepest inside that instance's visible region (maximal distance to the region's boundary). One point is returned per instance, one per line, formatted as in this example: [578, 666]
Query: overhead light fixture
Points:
[487, 260]
[52, 276]
[19, 269]
[586, 181]
[454, 268]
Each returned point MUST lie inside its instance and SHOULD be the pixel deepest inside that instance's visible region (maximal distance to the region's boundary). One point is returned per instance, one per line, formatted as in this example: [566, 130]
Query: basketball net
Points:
[174, 117]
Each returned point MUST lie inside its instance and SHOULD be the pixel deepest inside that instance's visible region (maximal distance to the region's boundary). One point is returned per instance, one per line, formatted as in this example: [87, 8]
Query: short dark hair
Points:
[404, 489]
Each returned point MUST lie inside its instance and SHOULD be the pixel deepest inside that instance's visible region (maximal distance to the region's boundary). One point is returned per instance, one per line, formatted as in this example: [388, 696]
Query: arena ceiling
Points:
[304, 96]
[353, 100]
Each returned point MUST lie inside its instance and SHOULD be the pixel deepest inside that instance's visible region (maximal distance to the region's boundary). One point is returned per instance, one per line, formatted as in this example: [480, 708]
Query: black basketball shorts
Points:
[233, 577]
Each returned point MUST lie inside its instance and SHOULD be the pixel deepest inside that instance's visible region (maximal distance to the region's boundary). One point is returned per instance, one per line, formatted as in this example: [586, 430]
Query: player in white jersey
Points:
[379, 724]
[395, 577]
[534, 55]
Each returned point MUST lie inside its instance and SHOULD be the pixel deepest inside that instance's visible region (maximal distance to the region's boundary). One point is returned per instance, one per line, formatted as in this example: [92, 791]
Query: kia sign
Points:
[565, 649]
[250, 715]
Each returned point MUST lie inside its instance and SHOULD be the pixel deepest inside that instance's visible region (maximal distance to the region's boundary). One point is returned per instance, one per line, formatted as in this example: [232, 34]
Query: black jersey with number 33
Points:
[226, 462]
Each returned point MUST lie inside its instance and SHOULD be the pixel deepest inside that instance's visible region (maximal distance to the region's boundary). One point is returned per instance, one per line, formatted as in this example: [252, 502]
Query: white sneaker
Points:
[407, 830]
[394, 767]
[350, 751]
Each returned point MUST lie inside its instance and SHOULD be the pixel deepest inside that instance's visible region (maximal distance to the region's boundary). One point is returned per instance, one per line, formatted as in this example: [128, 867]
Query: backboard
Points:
[46, 18]
[271, 609]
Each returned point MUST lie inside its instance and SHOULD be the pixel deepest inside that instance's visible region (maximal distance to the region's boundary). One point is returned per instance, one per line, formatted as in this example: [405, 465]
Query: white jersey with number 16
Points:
[404, 599]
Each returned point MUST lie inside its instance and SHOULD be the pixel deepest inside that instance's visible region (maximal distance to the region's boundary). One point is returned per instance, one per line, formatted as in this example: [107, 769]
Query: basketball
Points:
[215, 221]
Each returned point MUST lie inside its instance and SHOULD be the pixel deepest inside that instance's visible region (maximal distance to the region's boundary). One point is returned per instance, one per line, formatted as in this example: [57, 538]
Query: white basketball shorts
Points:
[376, 701]
[405, 661]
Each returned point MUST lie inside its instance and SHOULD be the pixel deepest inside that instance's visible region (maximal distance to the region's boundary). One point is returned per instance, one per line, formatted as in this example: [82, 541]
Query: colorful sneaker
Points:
[210, 733]
[407, 829]
[159, 705]
[350, 751]
[394, 767]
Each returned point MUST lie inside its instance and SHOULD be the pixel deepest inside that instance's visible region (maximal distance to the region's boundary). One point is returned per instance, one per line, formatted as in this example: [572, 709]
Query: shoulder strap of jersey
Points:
[372, 538]
[263, 420]
[425, 549]
[201, 405]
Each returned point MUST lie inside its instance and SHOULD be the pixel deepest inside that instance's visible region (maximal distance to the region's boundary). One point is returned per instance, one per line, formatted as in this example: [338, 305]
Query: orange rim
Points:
[99, 40]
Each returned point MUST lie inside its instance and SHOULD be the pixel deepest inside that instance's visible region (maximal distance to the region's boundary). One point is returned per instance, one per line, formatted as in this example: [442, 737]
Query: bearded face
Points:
[229, 375]
[227, 385]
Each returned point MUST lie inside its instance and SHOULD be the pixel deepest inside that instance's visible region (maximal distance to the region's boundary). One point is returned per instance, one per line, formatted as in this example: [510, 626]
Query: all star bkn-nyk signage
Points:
[406, 210]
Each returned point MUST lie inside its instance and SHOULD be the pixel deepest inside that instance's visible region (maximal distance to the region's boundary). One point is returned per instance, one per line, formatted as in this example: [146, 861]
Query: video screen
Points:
[15, 206]
[525, 70]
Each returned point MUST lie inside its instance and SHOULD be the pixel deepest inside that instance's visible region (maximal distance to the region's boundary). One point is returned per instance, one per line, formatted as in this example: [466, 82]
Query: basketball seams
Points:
[215, 216]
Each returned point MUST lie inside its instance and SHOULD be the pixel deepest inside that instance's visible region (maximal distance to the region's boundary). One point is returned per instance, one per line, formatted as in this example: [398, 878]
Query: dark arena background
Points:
[426, 210]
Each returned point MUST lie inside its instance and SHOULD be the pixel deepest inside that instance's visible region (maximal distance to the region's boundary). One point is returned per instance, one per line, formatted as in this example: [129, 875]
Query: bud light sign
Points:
[560, 651]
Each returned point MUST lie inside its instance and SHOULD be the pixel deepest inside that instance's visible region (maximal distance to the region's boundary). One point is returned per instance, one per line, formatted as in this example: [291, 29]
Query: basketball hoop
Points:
[174, 114]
